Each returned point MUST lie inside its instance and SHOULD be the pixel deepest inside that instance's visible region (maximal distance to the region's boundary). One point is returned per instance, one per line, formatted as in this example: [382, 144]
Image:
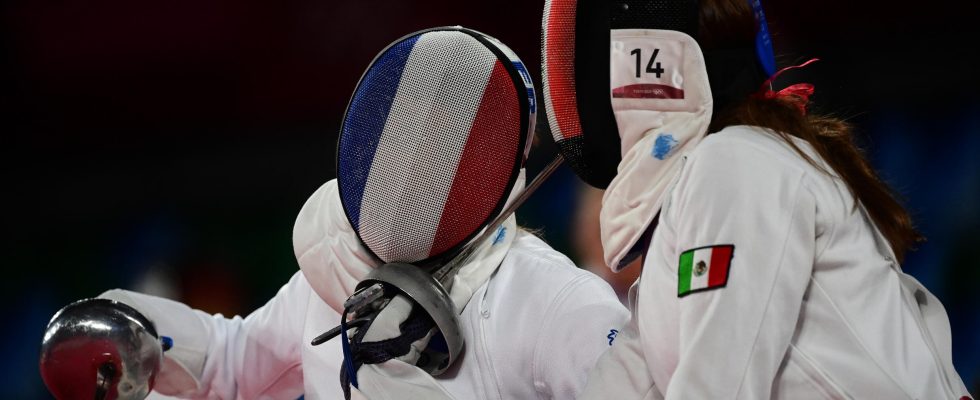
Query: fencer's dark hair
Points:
[729, 24]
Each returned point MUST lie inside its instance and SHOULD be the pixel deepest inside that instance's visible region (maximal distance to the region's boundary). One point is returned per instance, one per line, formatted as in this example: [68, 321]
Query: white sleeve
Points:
[577, 329]
[395, 380]
[215, 357]
[734, 337]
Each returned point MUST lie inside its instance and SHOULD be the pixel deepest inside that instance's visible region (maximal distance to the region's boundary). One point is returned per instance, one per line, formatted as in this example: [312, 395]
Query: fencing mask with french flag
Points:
[433, 143]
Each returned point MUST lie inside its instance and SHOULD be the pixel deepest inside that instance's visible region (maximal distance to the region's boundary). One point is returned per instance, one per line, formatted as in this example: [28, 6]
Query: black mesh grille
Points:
[676, 15]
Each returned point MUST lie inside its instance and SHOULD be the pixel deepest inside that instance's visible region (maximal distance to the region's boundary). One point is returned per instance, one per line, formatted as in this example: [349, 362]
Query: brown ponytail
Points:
[830, 137]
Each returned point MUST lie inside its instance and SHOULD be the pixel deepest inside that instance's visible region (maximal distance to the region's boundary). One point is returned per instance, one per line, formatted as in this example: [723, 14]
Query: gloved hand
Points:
[399, 378]
[102, 349]
[401, 330]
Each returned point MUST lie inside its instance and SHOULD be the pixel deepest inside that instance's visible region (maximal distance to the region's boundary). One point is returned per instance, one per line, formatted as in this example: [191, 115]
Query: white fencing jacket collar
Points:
[334, 261]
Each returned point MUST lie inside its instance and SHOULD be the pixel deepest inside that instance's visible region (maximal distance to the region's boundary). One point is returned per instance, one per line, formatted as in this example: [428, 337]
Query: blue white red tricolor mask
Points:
[433, 143]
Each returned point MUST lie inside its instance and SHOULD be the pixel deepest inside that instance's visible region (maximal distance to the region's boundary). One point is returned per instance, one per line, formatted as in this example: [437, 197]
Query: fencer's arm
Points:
[228, 358]
[581, 326]
[733, 338]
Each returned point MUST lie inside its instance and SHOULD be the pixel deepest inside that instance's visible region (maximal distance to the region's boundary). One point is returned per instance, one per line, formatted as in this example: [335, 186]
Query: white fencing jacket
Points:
[813, 304]
[532, 331]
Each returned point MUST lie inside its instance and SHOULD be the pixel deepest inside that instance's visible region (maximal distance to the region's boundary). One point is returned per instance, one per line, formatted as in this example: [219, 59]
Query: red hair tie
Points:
[798, 94]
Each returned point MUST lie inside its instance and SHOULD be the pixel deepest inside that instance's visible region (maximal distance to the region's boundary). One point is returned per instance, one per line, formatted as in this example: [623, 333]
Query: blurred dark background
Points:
[167, 146]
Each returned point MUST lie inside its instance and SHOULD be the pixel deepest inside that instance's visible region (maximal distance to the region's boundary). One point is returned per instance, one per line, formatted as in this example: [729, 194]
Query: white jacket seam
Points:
[549, 317]
[779, 268]
[857, 337]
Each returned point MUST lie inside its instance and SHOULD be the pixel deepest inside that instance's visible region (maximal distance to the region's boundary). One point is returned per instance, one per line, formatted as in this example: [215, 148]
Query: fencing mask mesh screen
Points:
[432, 143]
[576, 70]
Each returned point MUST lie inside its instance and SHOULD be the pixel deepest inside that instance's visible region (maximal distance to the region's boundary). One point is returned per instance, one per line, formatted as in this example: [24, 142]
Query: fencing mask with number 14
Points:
[627, 93]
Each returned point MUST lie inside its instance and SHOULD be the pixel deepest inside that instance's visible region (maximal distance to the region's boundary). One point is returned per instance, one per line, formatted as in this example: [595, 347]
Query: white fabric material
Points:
[815, 306]
[334, 261]
[397, 380]
[535, 329]
[212, 352]
[446, 108]
[183, 364]
[532, 330]
[327, 248]
[387, 325]
[622, 373]
[512, 351]
[636, 193]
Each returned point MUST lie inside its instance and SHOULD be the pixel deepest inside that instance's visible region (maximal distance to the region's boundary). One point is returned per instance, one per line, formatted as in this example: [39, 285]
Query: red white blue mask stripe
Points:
[432, 143]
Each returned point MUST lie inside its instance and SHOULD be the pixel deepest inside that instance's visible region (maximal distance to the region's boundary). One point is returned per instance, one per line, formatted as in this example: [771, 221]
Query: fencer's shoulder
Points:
[540, 296]
[534, 273]
[531, 260]
[747, 141]
[748, 151]
[531, 248]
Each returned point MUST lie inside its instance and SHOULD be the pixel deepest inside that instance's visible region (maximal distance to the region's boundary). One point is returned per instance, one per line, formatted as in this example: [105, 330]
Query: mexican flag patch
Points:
[704, 268]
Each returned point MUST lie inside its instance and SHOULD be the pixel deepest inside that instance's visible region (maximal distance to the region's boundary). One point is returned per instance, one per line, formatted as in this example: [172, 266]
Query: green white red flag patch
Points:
[704, 268]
